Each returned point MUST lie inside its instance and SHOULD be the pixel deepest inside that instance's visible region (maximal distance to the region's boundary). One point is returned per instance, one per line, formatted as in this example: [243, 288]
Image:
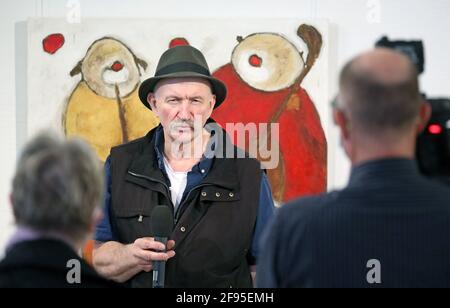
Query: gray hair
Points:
[57, 186]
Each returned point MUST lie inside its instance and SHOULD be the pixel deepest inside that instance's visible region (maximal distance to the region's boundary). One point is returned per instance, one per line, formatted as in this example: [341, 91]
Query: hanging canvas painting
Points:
[83, 80]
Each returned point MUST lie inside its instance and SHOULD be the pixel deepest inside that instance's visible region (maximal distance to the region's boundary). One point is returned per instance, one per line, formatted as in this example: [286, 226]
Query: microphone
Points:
[162, 226]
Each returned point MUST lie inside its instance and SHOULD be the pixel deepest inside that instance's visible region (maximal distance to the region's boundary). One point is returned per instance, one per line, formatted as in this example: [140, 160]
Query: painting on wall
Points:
[104, 108]
[83, 80]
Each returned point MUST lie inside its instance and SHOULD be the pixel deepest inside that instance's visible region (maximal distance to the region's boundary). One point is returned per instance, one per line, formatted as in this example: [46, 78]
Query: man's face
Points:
[183, 106]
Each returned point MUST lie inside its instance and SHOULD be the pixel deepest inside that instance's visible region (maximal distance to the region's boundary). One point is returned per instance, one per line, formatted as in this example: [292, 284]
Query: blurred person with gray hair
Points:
[55, 198]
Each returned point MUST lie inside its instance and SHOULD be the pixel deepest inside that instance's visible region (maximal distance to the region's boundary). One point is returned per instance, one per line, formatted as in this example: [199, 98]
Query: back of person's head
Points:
[57, 186]
[379, 90]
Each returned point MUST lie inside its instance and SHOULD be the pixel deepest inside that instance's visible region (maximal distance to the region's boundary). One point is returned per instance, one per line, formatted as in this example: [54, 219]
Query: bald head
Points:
[384, 65]
[379, 90]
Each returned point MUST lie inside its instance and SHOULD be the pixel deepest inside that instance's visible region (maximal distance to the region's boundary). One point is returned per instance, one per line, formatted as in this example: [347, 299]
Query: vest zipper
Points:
[177, 213]
[158, 181]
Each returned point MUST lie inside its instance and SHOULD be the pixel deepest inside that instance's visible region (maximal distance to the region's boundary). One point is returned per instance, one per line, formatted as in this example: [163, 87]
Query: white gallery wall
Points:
[355, 26]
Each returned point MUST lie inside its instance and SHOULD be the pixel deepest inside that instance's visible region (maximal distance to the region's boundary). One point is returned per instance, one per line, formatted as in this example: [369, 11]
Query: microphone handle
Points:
[159, 267]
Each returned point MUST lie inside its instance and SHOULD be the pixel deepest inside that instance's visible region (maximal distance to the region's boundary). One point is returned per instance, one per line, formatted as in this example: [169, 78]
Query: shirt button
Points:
[231, 194]
[217, 194]
[204, 194]
[202, 171]
[183, 229]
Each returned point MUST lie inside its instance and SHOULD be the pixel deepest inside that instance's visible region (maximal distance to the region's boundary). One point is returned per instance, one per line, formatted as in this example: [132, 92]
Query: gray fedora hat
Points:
[182, 61]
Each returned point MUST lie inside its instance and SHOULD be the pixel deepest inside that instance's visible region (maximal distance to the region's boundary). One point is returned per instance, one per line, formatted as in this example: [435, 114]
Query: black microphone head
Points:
[162, 221]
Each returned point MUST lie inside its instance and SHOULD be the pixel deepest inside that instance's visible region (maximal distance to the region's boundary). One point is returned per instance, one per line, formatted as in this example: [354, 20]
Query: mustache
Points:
[179, 123]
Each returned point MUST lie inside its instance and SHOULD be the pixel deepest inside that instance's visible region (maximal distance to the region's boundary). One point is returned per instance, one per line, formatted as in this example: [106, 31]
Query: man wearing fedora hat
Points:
[220, 202]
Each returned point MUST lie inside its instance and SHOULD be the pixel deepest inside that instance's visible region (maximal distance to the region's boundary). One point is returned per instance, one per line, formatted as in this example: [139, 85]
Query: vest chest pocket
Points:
[132, 225]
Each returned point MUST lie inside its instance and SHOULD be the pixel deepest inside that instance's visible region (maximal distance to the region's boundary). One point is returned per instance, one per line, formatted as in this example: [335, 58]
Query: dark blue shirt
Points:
[388, 213]
[103, 232]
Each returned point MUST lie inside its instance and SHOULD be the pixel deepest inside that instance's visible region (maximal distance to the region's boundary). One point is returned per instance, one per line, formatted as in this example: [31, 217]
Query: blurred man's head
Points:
[57, 187]
[379, 108]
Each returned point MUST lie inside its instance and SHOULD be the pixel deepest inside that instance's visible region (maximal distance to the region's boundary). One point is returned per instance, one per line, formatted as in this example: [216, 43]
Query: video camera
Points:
[433, 145]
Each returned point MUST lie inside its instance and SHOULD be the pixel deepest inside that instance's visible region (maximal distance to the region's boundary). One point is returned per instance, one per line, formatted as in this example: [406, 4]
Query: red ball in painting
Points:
[52, 42]
[263, 81]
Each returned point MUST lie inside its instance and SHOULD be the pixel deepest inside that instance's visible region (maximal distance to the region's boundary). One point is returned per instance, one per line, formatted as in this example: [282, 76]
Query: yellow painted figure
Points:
[105, 108]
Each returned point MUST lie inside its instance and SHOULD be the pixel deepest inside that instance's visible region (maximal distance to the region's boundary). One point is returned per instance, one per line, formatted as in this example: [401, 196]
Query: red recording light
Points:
[435, 129]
